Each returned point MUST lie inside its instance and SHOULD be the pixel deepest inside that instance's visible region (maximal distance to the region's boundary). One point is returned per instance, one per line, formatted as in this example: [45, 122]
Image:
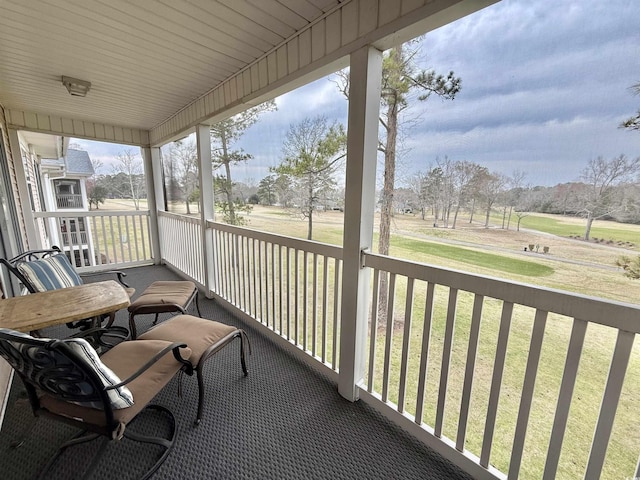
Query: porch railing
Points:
[75, 238]
[291, 286]
[181, 244]
[97, 239]
[491, 373]
[465, 359]
[447, 353]
[68, 200]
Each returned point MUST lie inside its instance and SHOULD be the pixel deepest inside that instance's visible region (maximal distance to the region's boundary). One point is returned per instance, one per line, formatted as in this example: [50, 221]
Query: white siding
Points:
[37, 122]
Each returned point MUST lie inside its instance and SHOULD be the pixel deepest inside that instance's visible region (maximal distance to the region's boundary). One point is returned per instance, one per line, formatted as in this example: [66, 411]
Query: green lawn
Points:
[499, 263]
[568, 227]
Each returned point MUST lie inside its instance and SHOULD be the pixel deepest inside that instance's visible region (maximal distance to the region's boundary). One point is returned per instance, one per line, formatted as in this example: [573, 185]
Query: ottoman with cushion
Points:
[204, 338]
[161, 297]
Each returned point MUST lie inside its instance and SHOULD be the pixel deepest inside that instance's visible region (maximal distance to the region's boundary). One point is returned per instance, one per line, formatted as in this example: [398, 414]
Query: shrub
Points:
[631, 266]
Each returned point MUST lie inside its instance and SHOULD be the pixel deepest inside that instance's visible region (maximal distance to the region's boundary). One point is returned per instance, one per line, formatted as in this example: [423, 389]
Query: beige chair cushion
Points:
[124, 359]
[198, 333]
[160, 292]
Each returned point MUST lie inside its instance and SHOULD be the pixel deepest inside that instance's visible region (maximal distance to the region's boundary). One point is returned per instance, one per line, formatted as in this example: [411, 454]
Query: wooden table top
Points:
[39, 310]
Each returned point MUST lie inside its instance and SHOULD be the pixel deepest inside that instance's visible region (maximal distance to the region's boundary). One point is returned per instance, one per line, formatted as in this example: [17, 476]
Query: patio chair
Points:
[67, 381]
[205, 338]
[50, 269]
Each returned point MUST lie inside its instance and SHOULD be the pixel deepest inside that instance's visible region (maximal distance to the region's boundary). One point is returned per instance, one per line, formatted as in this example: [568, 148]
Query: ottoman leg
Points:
[200, 394]
[197, 304]
[240, 334]
[244, 338]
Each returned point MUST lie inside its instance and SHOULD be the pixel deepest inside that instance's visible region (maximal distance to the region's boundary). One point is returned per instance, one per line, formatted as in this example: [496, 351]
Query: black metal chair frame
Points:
[50, 378]
[32, 255]
[212, 350]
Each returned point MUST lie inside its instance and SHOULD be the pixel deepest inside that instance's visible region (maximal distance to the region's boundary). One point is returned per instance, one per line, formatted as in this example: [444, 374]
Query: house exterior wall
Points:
[67, 127]
[5, 370]
[12, 177]
[31, 162]
[54, 237]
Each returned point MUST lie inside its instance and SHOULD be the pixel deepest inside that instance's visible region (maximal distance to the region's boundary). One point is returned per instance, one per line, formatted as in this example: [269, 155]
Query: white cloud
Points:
[551, 152]
[107, 153]
[545, 85]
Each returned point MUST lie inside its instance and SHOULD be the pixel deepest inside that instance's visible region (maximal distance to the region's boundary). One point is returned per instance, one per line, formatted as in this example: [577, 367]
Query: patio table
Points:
[32, 312]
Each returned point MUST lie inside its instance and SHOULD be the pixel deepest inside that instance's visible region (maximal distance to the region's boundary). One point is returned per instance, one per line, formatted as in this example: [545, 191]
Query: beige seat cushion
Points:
[198, 333]
[124, 359]
[160, 292]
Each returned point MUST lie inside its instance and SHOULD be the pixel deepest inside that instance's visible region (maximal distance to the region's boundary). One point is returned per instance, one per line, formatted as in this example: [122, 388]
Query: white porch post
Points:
[155, 197]
[205, 176]
[33, 239]
[362, 143]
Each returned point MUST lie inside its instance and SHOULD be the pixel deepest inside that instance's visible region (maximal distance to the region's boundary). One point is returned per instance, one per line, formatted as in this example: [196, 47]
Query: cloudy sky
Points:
[545, 85]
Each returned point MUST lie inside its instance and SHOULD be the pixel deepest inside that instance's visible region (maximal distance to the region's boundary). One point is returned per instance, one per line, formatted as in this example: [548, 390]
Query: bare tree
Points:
[312, 151]
[466, 178]
[283, 190]
[633, 123]
[96, 192]
[405, 200]
[514, 182]
[446, 192]
[97, 165]
[523, 204]
[184, 158]
[224, 135]
[130, 164]
[434, 185]
[600, 197]
[417, 183]
[491, 187]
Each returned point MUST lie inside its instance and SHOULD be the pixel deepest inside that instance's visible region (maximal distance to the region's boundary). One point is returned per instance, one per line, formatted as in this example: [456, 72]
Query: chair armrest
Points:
[175, 347]
[119, 273]
[96, 336]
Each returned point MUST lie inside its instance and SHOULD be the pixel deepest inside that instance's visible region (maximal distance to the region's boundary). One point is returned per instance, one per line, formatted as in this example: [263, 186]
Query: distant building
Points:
[64, 188]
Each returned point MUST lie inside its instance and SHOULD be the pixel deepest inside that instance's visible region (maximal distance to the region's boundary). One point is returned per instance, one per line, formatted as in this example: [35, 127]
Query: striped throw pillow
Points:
[70, 385]
[120, 397]
[50, 273]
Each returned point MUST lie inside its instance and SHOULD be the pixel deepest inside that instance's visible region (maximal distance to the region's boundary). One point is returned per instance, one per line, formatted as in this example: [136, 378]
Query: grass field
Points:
[571, 265]
[606, 231]
[492, 261]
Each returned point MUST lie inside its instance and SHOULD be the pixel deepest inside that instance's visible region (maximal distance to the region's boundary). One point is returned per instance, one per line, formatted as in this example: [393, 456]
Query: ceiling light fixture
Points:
[76, 87]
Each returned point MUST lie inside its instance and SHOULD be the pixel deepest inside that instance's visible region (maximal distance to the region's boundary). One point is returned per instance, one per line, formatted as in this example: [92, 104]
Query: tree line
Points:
[605, 189]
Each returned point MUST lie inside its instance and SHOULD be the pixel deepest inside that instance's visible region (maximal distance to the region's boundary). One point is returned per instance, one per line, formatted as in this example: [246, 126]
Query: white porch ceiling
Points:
[145, 59]
[45, 146]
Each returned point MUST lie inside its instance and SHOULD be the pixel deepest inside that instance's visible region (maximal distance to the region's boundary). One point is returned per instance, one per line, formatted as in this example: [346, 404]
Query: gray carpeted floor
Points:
[283, 421]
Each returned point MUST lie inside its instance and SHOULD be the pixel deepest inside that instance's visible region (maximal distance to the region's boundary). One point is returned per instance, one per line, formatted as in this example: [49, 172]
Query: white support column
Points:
[155, 195]
[362, 143]
[33, 241]
[205, 176]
